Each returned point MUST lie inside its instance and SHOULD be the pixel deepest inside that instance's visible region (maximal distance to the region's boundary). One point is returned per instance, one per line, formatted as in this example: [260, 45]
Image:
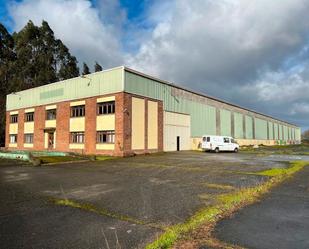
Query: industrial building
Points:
[122, 112]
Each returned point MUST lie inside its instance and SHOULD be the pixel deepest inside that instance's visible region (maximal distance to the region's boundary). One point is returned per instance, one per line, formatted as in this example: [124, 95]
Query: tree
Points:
[67, 64]
[32, 57]
[7, 60]
[305, 135]
[42, 59]
[85, 69]
[97, 67]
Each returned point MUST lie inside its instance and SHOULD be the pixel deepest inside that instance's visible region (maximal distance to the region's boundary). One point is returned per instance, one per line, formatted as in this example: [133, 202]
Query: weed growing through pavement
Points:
[226, 204]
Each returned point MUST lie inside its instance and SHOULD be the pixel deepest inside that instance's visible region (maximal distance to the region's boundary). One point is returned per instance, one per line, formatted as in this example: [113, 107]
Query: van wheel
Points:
[217, 150]
[236, 150]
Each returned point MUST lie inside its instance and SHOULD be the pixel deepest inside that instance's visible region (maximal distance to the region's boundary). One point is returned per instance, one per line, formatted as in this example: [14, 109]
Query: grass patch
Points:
[226, 203]
[101, 211]
[58, 159]
[218, 186]
[103, 158]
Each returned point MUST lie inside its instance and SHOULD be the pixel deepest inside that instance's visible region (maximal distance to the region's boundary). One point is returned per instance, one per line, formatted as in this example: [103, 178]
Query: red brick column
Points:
[20, 136]
[7, 129]
[90, 125]
[63, 124]
[160, 125]
[39, 125]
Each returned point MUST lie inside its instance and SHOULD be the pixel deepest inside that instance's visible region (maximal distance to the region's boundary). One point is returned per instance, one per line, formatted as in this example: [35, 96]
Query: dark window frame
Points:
[14, 119]
[16, 137]
[49, 112]
[78, 111]
[106, 137]
[106, 108]
[29, 117]
[29, 136]
[77, 137]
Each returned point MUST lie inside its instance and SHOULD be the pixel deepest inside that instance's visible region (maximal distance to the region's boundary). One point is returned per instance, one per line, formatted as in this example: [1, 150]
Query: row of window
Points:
[102, 109]
[76, 111]
[28, 138]
[102, 137]
[75, 137]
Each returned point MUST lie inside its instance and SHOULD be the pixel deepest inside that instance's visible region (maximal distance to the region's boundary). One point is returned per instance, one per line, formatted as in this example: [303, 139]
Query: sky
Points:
[252, 53]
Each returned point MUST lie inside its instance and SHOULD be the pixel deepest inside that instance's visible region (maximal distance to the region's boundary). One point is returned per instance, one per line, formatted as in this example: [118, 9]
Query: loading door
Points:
[177, 131]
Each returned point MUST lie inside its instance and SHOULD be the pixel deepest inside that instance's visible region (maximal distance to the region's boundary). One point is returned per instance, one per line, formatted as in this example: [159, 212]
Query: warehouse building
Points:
[122, 112]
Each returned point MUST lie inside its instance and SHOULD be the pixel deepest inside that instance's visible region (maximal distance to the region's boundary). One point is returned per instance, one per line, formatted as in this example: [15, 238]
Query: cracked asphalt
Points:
[162, 189]
[279, 220]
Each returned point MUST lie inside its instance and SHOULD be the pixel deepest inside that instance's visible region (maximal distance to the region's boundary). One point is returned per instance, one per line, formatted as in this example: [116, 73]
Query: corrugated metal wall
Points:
[280, 132]
[276, 131]
[270, 130]
[238, 125]
[203, 117]
[225, 121]
[249, 127]
[96, 84]
[260, 128]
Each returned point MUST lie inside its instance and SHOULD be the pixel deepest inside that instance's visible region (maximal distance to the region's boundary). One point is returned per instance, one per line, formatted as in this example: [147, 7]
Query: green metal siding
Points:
[276, 131]
[203, 117]
[95, 84]
[270, 130]
[260, 128]
[238, 125]
[225, 122]
[285, 133]
[280, 132]
[249, 127]
[298, 134]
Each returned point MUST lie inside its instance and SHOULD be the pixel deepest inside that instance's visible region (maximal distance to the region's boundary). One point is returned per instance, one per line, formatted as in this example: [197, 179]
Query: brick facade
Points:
[39, 125]
[123, 124]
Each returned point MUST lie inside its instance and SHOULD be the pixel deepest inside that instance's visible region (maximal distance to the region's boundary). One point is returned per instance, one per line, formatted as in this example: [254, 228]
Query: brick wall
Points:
[20, 136]
[39, 125]
[90, 125]
[62, 128]
[123, 124]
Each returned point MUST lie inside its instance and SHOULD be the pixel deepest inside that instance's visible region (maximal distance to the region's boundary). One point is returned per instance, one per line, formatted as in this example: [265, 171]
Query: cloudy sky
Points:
[253, 53]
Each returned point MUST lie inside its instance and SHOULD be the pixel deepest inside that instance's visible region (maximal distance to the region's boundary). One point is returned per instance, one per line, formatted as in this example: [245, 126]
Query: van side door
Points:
[226, 144]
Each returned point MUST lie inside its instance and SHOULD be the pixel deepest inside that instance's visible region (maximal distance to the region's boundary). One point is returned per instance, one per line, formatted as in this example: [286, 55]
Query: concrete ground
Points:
[280, 220]
[154, 191]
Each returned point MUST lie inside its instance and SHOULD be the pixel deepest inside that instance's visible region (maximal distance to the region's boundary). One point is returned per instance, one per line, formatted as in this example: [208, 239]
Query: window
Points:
[13, 139]
[29, 117]
[14, 119]
[226, 140]
[51, 114]
[208, 139]
[106, 137]
[77, 137]
[106, 108]
[29, 138]
[78, 111]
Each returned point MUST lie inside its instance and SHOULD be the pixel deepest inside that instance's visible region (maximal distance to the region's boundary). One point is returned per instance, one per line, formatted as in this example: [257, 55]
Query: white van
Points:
[219, 143]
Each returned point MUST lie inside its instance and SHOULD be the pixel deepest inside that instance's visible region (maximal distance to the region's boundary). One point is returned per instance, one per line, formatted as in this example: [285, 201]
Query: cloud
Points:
[79, 25]
[238, 50]
[223, 41]
[253, 53]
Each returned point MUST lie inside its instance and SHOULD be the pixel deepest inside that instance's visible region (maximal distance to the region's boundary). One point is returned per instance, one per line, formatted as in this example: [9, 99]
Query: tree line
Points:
[33, 57]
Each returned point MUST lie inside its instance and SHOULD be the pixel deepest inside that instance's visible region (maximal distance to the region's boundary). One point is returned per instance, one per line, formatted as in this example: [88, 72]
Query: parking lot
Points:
[136, 198]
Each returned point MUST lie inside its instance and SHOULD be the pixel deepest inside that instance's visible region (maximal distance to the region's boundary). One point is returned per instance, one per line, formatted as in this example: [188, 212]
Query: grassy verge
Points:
[226, 204]
[58, 159]
[100, 211]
